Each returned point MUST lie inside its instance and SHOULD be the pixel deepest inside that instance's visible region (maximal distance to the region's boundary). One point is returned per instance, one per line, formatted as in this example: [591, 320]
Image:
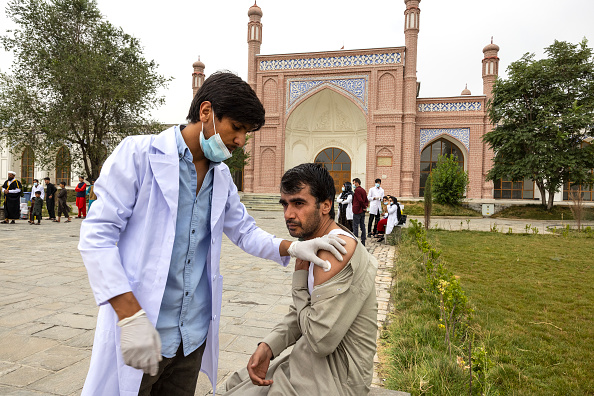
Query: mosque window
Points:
[27, 166]
[63, 166]
[338, 164]
[430, 155]
[508, 189]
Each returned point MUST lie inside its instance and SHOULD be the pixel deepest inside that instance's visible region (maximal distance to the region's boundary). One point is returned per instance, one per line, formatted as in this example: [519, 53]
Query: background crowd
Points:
[18, 205]
[384, 210]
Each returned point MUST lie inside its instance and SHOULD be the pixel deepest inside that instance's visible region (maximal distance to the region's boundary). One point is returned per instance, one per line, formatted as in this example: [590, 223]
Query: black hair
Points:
[46, 178]
[38, 192]
[64, 183]
[316, 176]
[348, 187]
[231, 97]
[378, 181]
[36, 180]
[394, 199]
[357, 180]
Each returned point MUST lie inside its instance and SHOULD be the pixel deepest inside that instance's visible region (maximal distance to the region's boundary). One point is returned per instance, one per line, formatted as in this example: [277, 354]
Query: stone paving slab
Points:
[48, 313]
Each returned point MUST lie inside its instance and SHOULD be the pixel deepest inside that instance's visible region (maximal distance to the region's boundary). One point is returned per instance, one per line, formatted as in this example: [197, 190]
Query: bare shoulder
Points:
[319, 275]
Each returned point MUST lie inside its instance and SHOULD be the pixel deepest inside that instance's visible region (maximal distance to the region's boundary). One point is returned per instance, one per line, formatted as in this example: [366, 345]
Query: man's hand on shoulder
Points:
[321, 276]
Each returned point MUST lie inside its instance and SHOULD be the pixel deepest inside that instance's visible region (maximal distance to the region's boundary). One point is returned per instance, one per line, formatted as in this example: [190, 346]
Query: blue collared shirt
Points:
[186, 307]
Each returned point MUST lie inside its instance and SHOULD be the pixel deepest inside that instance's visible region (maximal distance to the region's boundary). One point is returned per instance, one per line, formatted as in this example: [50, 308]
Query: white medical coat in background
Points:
[375, 197]
[126, 243]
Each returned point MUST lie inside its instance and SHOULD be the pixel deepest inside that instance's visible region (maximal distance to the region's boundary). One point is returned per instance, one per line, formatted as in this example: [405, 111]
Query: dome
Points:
[255, 10]
[466, 91]
[198, 64]
[491, 47]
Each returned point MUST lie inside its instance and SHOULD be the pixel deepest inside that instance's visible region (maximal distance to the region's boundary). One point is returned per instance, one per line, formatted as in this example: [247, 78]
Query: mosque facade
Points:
[359, 113]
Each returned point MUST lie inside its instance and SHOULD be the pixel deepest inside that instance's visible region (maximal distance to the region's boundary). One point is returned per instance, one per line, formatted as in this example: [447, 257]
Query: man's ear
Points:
[326, 206]
[205, 110]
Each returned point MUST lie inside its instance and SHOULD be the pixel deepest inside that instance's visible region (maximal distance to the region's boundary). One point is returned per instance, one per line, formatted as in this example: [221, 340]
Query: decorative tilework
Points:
[461, 134]
[354, 86]
[450, 106]
[332, 61]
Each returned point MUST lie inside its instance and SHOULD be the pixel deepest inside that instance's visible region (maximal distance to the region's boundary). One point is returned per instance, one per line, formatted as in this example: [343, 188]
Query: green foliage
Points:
[76, 80]
[428, 200]
[239, 159]
[448, 181]
[543, 112]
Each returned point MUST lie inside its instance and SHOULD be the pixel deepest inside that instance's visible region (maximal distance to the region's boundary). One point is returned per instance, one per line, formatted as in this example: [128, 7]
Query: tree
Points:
[543, 112]
[428, 200]
[448, 181]
[239, 158]
[76, 81]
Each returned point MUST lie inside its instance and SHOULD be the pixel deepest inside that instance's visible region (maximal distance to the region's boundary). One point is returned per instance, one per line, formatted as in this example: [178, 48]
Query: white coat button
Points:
[214, 317]
[214, 278]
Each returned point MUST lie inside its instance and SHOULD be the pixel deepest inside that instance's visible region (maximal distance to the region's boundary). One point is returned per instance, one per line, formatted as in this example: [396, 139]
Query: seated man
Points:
[332, 322]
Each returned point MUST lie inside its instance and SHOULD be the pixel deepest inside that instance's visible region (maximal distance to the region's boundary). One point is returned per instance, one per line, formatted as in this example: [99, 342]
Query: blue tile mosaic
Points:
[450, 106]
[461, 134]
[354, 86]
[332, 61]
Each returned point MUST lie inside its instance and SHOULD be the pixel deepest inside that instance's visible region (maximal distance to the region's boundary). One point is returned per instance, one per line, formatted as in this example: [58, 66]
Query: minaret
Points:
[490, 68]
[411, 34]
[490, 72]
[197, 76]
[254, 40]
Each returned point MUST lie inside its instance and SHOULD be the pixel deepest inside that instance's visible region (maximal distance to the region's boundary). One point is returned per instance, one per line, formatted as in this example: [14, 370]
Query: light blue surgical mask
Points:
[343, 189]
[377, 185]
[213, 148]
[35, 184]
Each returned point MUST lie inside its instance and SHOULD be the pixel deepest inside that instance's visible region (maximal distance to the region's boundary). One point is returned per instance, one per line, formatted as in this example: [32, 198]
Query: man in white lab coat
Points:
[375, 196]
[152, 246]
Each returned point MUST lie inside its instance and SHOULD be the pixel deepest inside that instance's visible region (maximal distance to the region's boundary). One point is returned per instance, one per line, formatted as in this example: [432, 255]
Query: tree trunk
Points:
[543, 193]
[551, 198]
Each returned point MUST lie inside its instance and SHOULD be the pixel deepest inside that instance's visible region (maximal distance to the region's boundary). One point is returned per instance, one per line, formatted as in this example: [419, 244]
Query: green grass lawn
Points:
[416, 208]
[537, 212]
[534, 300]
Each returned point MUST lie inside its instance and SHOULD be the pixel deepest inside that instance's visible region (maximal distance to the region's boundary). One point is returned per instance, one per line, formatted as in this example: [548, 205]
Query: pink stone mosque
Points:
[359, 113]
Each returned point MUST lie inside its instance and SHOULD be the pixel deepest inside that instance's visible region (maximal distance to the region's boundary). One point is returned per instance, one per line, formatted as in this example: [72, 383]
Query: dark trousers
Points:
[359, 222]
[371, 228]
[50, 203]
[177, 375]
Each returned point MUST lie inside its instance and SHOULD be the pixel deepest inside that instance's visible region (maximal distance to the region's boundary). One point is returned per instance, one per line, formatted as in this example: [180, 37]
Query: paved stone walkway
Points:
[48, 314]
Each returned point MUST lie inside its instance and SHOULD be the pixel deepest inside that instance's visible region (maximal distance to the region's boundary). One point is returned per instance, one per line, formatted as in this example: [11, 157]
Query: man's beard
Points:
[308, 230]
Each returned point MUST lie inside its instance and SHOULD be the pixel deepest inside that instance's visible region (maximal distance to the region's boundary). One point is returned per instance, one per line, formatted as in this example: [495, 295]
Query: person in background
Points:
[36, 187]
[381, 225]
[394, 214]
[91, 193]
[50, 198]
[375, 196]
[37, 206]
[63, 208]
[345, 206]
[360, 203]
[12, 189]
[81, 197]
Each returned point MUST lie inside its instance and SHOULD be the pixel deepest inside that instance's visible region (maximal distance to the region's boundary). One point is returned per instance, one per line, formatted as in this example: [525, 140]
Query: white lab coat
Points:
[349, 209]
[126, 244]
[375, 197]
[392, 217]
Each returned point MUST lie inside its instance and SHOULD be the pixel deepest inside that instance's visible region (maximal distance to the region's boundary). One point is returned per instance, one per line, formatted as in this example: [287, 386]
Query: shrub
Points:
[449, 182]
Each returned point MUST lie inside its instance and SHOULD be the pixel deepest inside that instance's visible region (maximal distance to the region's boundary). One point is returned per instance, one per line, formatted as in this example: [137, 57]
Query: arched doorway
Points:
[338, 163]
[27, 166]
[327, 120]
[430, 155]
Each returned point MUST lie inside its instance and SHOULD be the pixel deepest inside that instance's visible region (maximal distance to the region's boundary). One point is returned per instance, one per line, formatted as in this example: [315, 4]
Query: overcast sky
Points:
[451, 38]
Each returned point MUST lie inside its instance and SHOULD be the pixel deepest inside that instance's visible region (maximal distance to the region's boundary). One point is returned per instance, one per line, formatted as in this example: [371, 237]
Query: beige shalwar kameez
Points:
[333, 332]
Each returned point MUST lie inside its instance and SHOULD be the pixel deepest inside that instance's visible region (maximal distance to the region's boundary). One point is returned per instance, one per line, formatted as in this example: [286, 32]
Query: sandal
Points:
[68, 221]
[56, 221]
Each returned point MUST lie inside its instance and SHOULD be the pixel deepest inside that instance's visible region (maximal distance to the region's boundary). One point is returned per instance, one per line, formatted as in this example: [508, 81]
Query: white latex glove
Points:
[308, 250]
[140, 343]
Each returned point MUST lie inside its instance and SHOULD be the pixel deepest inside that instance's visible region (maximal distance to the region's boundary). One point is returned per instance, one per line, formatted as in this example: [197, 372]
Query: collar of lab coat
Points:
[164, 162]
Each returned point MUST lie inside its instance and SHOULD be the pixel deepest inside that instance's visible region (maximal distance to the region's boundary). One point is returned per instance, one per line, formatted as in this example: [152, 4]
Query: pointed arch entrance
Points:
[430, 155]
[328, 128]
[338, 163]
